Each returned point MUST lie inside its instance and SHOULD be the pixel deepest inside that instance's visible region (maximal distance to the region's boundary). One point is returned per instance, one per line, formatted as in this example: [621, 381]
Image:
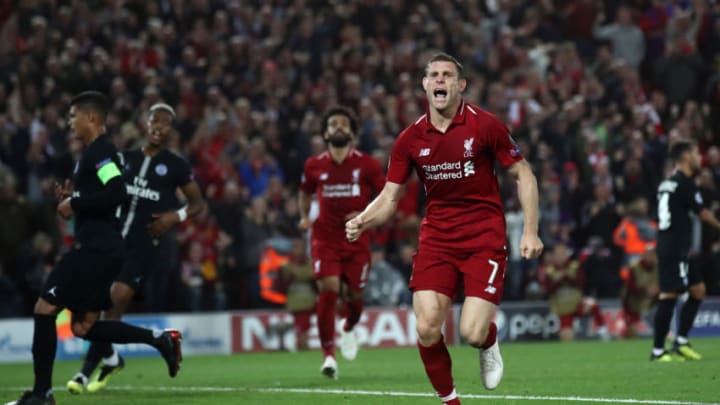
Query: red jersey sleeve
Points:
[375, 175]
[503, 146]
[400, 163]
[308, 182]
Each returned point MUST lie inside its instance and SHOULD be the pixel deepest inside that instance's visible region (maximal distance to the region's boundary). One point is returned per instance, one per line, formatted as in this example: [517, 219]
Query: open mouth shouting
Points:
[440, 94]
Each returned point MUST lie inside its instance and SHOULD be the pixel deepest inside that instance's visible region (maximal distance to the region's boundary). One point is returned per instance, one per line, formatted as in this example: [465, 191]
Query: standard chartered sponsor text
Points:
[337, 190]
[449, 170]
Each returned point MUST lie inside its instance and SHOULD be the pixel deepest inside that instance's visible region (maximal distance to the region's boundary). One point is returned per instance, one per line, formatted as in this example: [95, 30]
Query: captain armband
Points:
[107, 170]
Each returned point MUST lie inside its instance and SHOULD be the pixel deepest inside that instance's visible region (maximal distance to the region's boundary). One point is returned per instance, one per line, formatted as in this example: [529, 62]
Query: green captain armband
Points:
[107, 170]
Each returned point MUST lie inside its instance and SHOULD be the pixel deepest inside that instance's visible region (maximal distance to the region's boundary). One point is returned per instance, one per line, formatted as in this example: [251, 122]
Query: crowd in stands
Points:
[593, 91]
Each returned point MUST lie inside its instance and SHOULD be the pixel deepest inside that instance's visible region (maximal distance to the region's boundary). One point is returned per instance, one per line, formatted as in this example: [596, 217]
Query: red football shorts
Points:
[352, 265]
[483, 273]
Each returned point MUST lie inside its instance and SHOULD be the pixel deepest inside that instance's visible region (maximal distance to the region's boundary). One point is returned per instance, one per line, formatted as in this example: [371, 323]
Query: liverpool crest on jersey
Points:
[469, 148]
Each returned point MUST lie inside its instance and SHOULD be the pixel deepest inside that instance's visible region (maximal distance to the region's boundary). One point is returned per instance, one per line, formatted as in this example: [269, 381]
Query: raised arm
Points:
[530, 244]
[376, 213]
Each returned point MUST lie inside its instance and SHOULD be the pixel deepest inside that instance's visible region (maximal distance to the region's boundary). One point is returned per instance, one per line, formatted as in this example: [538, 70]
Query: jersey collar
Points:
[459, 118]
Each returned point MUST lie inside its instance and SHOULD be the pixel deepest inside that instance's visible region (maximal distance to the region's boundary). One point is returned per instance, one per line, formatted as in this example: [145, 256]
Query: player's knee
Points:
[474, 336]
[81, 329]
[698, 291]
[428, 332]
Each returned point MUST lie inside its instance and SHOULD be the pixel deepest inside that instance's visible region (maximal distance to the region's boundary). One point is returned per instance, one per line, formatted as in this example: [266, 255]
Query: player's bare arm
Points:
[304, 200]
[376, 213]
[166, 220]
[530, 244]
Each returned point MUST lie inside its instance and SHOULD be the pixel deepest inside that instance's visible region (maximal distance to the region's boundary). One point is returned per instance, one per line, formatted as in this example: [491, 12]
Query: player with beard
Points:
[81, 280]
[151, 175]
[678, 198]
[453, 148]
[344, 180]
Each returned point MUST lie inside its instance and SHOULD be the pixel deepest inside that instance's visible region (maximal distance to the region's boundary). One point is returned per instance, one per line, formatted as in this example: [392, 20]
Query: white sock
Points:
[83, 378]
[112, 360]
[657, 352]
[682, 340]
[449, 397]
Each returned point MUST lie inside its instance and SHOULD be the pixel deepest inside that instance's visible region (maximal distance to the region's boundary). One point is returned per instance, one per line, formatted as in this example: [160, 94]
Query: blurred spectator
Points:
[203, 243]
[258, 169]
[255, 230]
[708, 258]
[192, 276]
[564, 281]
[679, 71]
[602, 265]
[635, 231]
[600, 215]
[640, 289]
[627, 40]
[515, 274]
[297, 274]
[385, 286]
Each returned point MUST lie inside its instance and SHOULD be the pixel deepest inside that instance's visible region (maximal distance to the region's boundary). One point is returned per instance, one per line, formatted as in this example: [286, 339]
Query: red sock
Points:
[438, 367]
[491, 336]
[326, 321]
[597, 315]
[354, 310]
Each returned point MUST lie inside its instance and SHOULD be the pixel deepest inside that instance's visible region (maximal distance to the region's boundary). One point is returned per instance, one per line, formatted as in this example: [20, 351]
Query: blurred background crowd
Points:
[593, 91]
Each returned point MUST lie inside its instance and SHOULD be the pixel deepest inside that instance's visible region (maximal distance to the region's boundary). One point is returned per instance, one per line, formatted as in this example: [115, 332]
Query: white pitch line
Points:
[389, 394]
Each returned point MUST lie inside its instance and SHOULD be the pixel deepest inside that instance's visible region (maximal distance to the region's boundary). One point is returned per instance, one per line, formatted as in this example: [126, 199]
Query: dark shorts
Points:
[352, 266]
[81, 280]
[676, 274]
[483, 273]
[140, 264]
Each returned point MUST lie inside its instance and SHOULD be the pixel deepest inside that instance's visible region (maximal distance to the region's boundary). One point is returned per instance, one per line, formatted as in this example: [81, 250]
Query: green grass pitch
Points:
[546, 373]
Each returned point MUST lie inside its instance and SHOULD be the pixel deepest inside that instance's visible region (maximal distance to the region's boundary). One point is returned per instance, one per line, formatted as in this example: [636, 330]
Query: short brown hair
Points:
[444, 57]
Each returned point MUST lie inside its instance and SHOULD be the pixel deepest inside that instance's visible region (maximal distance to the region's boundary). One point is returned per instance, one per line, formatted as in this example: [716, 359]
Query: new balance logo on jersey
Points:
[469, 168]
[424, 152]
[52, 291]
[323, 176]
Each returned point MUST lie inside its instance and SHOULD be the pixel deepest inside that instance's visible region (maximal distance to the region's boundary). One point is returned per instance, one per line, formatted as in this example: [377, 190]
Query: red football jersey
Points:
[464, 209]
[341, 188]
